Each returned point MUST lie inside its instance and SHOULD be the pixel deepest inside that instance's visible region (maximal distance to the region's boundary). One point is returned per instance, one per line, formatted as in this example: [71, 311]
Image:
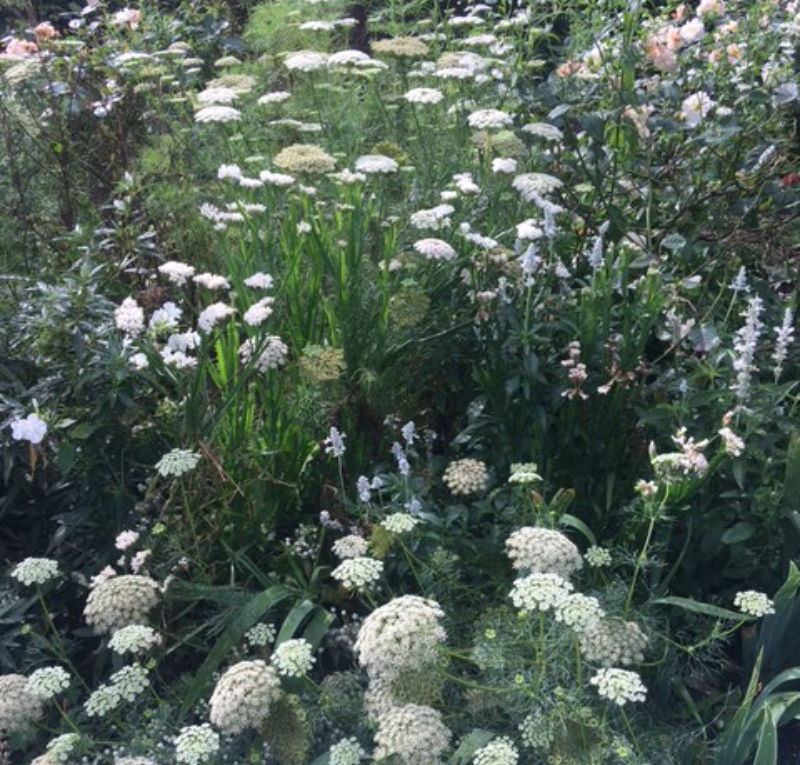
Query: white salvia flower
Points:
[401, 635]
[126, 539]
[243, 696]
[578, 610]
[334, 443]
[217, 96]
[119, 601]
[305, 61]
[177, 462]
[19, 707]
[358, 573]
[211, 281]
[234, 172]
[376, 164]
[739, 284]
[543, 550]
[465, 477]
[279, 96]
[178, 273]
[744, 346]
[216, 113]
[35, 571]
[135, 638]
[196, 744]
[258, 312]
[734, 445]
[504, 165]
[129, 317]
[753, 603]
[501, 751]
[259, 280]
[294, 658]
[211, 316]
[31, 428]
[48, 682]
[346, 752]
[540, 592]
[260, 635]
[783, 339]
[435, 249]
[695, 107]
[351, 546]
[619, 685]
[400, 523]
[489, 119]
[416, 734]
[424, 96]
[597, 557]
[524, 473]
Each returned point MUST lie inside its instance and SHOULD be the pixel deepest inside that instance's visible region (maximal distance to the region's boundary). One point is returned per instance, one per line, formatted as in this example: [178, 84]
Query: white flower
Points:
[540, 592]
[489, 119]
[31, 428]
[346, 752]
[61, 747]
[120, 601]
[126, 685]
[531, 186]
[691, 31]
[466, 476]
[578, 610]
[351, 546]
[424, 96]
[611, 642]
[139, 361]
[433, 218]
[306, 61]
[524, 473]
[279, 96]
[35, 571]
[276, 179]
[293, 658]
[597, 557]
[177, 462]
[501, 751]
[543, 130]
[126, 539]
[212, 315]
[260, 635]
[165, 319]
[400, 523]
[528, 230]
[415, 733]
[349, 58]
[217, 96]
[753, 603]
[348, 177]
[783, 339]
[544, 550]
[243, 696]
[465, 183]
[258, 312]
[217, 114]
[695, 107]
[129, 317]
[48, 682]
[619, 685]
[178, 273]
[19, 707]
[234, 172]
[134, 638]
[259, 280]
[195, 744]
[506, 166]
[272, 356]
[435, 249]
[211, 281]
[376, 164]
[734, 445]
[334, 443]
[358, 573]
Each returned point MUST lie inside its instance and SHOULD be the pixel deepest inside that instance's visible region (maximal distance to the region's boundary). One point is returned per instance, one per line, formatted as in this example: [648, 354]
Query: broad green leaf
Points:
[739, 532]
[791, 481]
[767, 752]
[292, 622]
[470, 744]
[689, 604]
[788, 589]
[579, 525]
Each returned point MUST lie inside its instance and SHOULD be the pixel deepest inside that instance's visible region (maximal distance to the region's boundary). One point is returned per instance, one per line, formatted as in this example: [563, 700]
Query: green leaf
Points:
[791, 481]
[579, 525]
[242, 621]
[300, 613]
[689, 604]
[739, 532]
[788, 589]
[767, 752]
[470, 744]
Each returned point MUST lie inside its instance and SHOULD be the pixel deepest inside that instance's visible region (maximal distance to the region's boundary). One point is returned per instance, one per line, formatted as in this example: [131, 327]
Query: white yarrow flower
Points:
[753, 603]
[293, 658]
[619, 685]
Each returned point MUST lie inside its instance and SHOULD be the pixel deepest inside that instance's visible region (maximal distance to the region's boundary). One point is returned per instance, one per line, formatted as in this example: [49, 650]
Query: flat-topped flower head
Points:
[753, 603]
[35, 571]
[19, 706]
[243, 696]
[619, 685]
[415, 734]
[537, 549]
[465, 477]
[435, 249]
[376, 164]
[304, 158]
[119, 602]
[540, 592]
[501, 751]
[400, 47]
[358, 573]
[293, 658]
[196, 744]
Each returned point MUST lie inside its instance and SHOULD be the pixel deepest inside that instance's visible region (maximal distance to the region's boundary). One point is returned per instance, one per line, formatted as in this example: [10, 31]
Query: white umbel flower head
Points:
[346, 752]
[578, 610]
[243, 696]
[489, 119]
[544, 550]
[48, 682]
[260, 635]
[176, 272]
[424, 96]
[120, 601]
[540, 592]
[501, 751]
[306, 61]
[351, 546]
[401, 635]
[400, 523]
[19, 707]
[358, 573]
[35, 571]
[376, 164]
[215, 113]
[612, 642]
[293, 658]
[465, 477]
[524, 473]
[619, 686]
[211, 316]
[532, 186]
[135, 638]
[435, 249]
[416, 734]
[177, 462]
[196, 744]
[753, 603]
[61, 747]
[597, 557]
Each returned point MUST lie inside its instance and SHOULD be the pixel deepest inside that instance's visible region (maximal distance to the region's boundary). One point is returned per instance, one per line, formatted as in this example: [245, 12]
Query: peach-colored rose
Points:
[45, 31]
[734, 53]
[672, 37]
[679, 12]
[17, 47]
[129, 16]
[660, 56]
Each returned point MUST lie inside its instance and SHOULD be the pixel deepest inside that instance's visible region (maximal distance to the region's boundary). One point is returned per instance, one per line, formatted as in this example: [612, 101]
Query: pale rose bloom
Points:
[695, 107]
[710, 8]
[672, 37]
[45, 31]
[660, 55]
[679, 12]
[129, 16]
[692, 31]
[734, 53]
[17, 47]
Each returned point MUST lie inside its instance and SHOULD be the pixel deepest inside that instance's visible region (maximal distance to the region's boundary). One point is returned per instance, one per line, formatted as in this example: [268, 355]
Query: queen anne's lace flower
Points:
[416, 734]
[531, 186]
[401, 635]
[578, 610]
[126, 685]
[435, 249]
[243, 696]
[540, 592]
[304, 158]
[195, 744]
[400, 523]
[177, 462]
[216, 113]
[19, 707]
[544, 550]
[489, 119]
[35, 571]
[358, 573]
[619, 686]
[424, 96]
[524, 472]
[597, 557]
[260, 635]
[293, 658]
[467, 476]
[178, 273]
[501, 751]
[61, 747]
[373, 164]
[753, 603]
[306, 61]
[47, 682]
[346, 752]
[134, 638]
[402, 47]
[612, 642]
[120, 601]
[351, 546]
